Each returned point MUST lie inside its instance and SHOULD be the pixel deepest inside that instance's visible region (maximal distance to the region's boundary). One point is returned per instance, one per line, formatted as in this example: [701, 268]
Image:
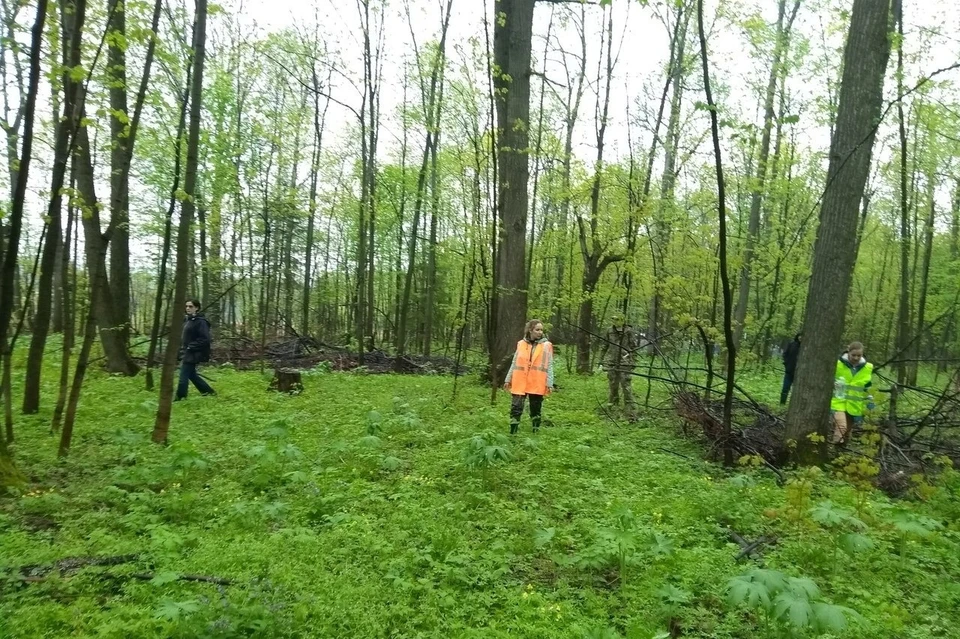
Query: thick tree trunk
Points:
[512, 44]
[119, 167]
[861, 95]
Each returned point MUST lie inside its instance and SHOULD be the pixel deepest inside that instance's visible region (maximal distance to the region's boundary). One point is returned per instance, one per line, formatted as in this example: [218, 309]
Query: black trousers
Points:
[516, 410]
[188, 373]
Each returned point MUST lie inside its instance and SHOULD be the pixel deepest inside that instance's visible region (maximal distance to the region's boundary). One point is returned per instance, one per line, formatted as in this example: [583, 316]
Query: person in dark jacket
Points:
[194, 348]
[790, 355]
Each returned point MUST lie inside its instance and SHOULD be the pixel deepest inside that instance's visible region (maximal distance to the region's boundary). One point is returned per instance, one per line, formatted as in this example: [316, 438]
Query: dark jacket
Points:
[195, 339]
[790, 355]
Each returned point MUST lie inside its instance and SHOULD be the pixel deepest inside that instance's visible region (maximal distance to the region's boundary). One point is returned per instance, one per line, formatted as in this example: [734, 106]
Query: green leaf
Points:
[371, 441]
[791, 119]
[803, 587]
[831, 618]
[163, 578]
[796, 611]
[390, 463]
[743, 590]
[543, 537]
[174, 610]
[673, 595]
[852, 543]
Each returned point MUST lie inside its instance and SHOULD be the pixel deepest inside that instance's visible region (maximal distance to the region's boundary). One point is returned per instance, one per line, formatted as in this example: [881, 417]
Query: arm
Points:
[513, 365]
[549, 355]
[201, 335]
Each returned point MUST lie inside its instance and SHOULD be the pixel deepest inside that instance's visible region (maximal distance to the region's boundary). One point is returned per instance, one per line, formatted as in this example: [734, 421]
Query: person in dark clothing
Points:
[194, 348]
[790, 355]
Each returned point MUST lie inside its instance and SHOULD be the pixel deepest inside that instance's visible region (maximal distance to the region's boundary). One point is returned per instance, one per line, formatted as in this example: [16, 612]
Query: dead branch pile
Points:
[755, 430]
[758, 431]
[304, 353]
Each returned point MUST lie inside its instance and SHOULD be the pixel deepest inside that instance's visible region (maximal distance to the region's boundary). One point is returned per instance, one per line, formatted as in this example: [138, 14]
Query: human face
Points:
[190, 308]
[855, 357]
[537, 331]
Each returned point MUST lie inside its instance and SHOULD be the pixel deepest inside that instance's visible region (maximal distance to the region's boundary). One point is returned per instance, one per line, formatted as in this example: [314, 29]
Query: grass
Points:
[363, 509]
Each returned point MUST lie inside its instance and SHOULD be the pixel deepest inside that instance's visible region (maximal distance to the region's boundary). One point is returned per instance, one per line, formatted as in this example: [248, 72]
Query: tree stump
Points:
[286, 380]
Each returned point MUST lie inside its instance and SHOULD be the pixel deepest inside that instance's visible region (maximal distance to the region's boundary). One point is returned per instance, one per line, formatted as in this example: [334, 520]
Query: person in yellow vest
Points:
[852, 380]
[530, 375]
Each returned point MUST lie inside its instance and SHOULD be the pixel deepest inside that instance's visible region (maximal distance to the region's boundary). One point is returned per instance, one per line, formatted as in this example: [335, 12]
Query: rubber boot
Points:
[514, 427]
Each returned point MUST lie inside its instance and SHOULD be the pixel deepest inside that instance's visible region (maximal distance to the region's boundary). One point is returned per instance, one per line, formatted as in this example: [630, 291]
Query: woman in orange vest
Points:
[530, 375]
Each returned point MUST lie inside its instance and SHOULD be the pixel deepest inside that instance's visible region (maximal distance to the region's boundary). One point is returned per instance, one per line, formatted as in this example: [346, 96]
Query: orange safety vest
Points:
[532, 368]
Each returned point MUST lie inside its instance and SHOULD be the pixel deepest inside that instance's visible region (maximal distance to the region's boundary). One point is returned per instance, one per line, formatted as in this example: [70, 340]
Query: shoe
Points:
[209, 394]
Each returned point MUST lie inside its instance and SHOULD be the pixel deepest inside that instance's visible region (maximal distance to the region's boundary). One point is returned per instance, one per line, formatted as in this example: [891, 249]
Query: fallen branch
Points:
[209, 579]
[73, 564]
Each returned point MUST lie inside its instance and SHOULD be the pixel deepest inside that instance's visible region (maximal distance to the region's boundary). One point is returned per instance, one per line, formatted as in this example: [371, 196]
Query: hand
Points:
[506, 386]
[549, 390]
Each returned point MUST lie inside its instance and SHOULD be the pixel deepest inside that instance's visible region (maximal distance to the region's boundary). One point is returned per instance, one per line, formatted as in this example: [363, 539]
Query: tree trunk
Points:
[10, 254]
[167, 232]
[757, 188]
[662, 226]
[861, 96]
[924, 275]
[162, 424]
[119, 167]
[903, 315]
[512, 45]
[64, 137]
[69, 312]
[724, 277]
[8, 275]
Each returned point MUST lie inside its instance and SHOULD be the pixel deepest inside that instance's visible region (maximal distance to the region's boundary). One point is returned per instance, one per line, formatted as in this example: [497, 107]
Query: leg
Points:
[839, 426]
[626, 381]
[202, 386]
[852, 420]
[787, 383]
[516, 410]
[613, 383]
[536, 403]
[183, 384]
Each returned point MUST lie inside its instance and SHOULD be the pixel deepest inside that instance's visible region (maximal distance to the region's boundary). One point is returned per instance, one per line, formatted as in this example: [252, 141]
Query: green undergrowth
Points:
[379, 506]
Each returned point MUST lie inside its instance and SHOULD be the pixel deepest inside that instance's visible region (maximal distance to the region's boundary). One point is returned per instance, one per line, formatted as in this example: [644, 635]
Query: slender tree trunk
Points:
[167, 233]
[11, 251]
[861, 96]
[924, 274]
[757, 189]
[69, 312]
[724, 277]
[903, 323]
[64, 136]
[162, 424]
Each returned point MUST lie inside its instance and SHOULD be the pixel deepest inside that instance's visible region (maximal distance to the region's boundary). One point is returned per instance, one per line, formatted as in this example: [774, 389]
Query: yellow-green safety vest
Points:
[851, 395]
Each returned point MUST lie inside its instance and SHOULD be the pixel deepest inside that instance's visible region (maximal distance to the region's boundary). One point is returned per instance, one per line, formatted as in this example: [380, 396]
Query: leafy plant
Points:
[798, 493]
[789, 606]
[624, 544]
[486, 451]
[844, 526]
[911, 526]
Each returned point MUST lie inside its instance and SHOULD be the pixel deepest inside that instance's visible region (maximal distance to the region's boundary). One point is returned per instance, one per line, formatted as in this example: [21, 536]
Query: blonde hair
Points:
[529, 327]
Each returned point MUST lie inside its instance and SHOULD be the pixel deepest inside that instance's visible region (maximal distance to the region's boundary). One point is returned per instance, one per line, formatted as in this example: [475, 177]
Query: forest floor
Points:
[380, 506]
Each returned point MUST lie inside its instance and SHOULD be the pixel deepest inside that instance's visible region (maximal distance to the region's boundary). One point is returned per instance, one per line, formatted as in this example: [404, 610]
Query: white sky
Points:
[643, 49]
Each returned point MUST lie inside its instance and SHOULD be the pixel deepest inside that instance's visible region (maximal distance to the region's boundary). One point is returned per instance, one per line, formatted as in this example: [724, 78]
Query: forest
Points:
[366, 206]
